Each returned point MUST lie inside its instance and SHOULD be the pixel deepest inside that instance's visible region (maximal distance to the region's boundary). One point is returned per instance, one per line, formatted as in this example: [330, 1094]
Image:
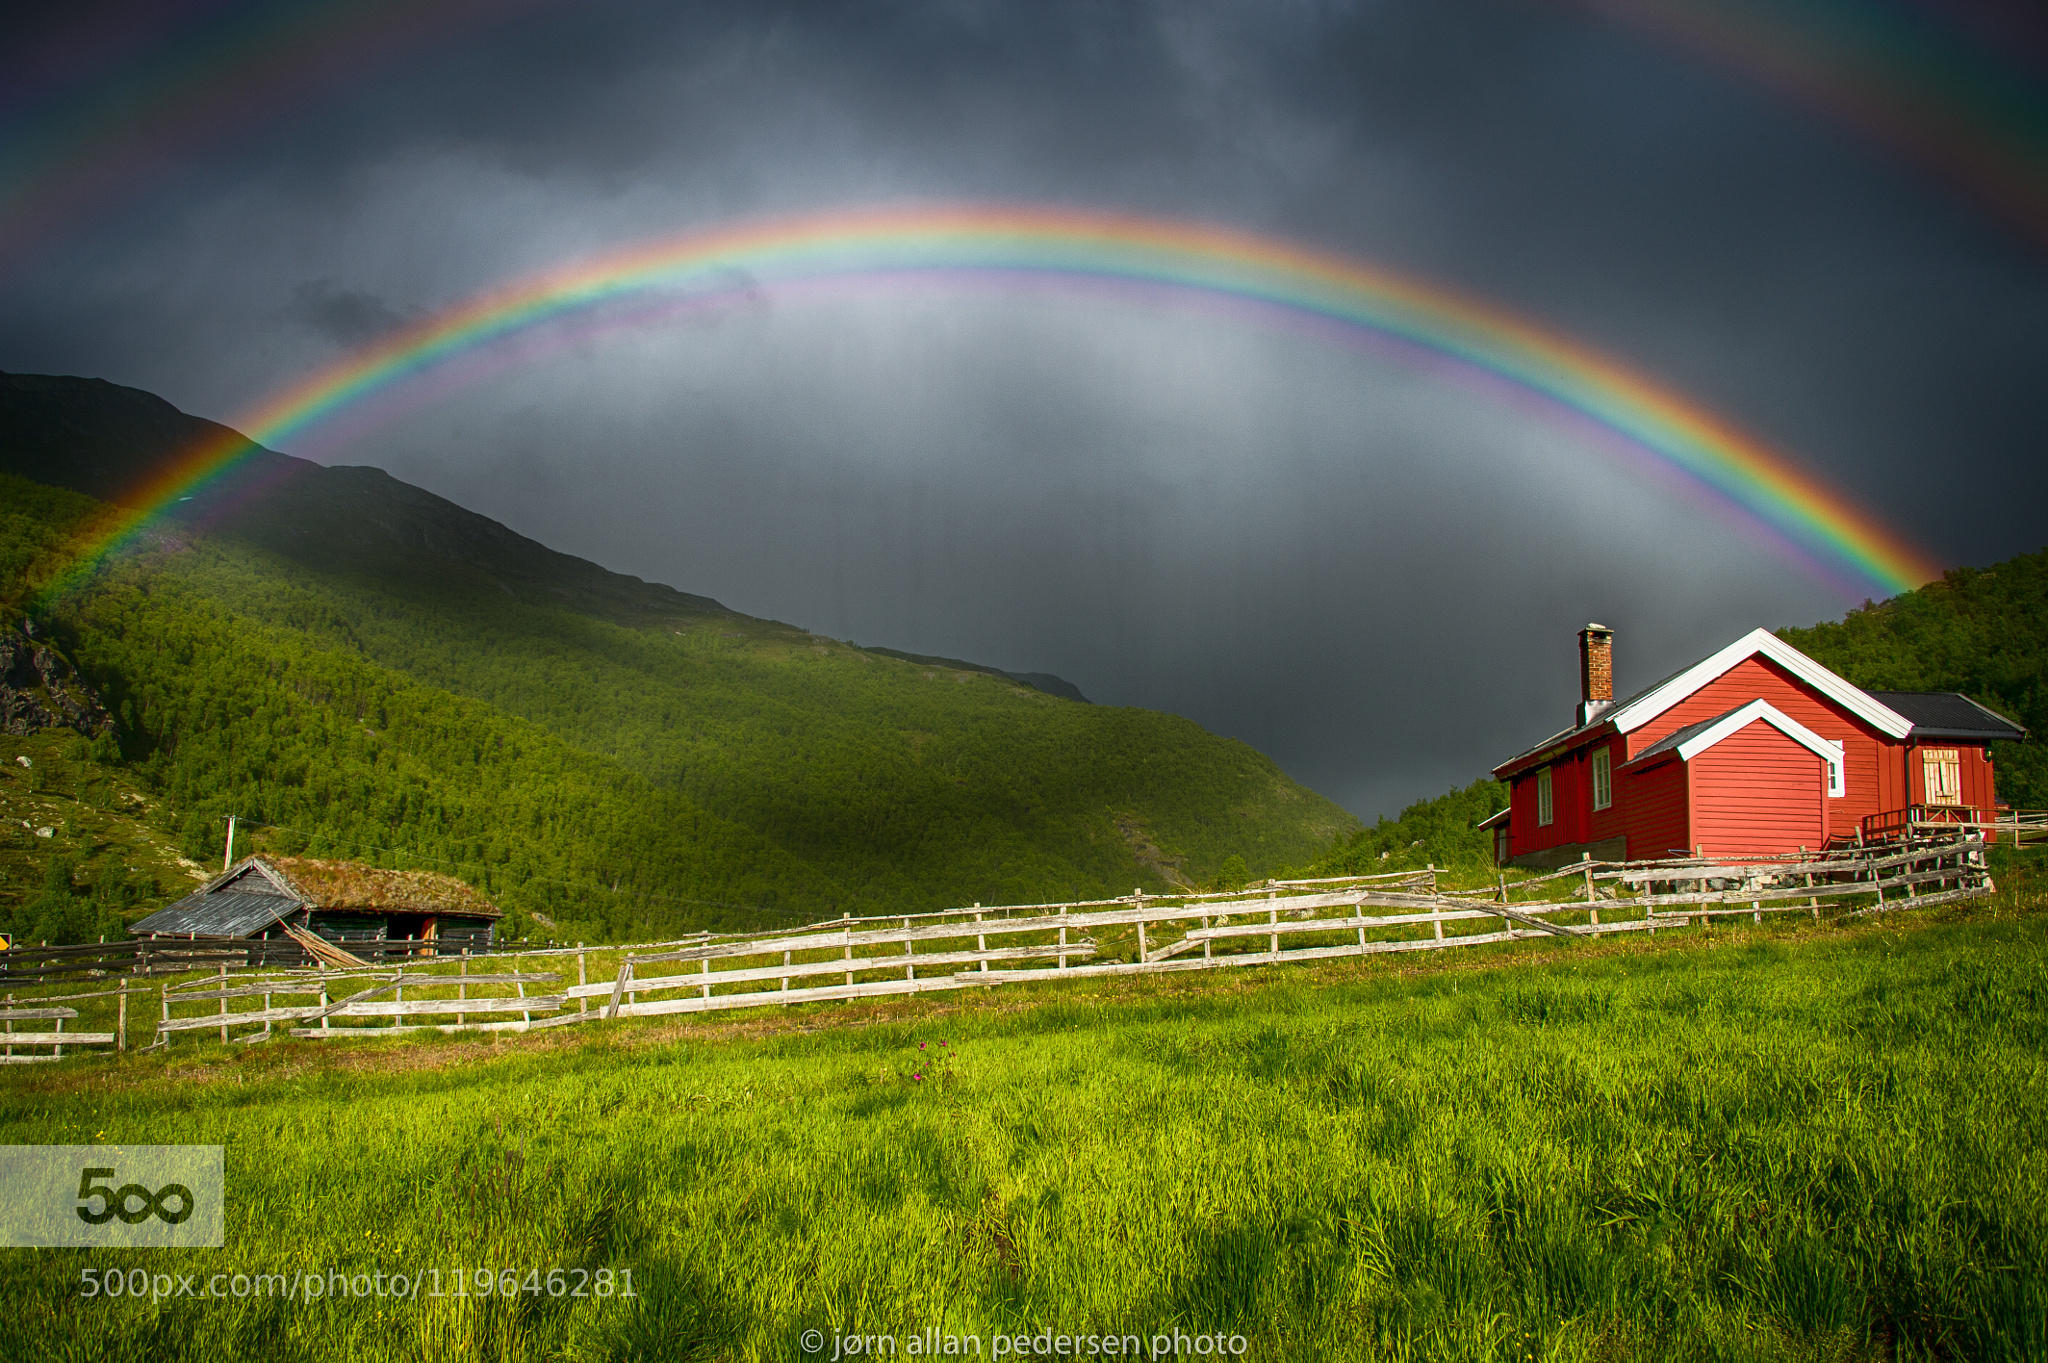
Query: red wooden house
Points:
[1756, 750]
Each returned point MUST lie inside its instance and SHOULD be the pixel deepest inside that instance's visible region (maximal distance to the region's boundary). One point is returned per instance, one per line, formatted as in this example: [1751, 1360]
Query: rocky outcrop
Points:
[40, 689]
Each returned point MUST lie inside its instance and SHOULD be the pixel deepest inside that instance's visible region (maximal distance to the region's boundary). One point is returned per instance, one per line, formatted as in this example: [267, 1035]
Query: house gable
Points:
[1659, 700]
[1694, 739]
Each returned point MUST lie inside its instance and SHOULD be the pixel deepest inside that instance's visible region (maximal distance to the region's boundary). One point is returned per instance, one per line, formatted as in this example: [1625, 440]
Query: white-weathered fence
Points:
[983, 947]
[357, 1001]
[1283, 921]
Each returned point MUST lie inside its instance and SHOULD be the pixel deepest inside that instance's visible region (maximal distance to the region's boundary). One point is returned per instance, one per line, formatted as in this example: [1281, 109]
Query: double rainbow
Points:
[1328, 295]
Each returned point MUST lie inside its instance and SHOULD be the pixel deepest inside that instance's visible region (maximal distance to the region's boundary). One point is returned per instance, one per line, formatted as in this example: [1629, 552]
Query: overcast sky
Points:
[1363, 566]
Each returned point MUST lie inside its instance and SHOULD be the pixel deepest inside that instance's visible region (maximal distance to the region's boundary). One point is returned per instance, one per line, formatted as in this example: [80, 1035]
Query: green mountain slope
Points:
[369, 667]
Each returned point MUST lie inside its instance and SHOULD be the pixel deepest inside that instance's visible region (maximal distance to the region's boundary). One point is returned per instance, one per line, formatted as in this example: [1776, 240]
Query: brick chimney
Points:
[1596, 671]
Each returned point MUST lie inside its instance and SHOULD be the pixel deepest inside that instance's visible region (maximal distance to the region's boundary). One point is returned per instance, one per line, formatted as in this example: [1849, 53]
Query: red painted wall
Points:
[1571, 800]
[1874, 764]
[1759, 791]
[1659, 811]
[1978, 779]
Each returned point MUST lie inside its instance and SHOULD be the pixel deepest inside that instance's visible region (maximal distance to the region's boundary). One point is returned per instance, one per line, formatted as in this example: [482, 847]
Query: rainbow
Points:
[1325, 294]
[1961, 106]
[129, 96]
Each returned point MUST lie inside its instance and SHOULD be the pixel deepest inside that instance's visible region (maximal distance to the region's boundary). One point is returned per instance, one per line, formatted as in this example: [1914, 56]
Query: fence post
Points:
[519, 985]
[785, 966]
[583, 978]
[909, 950]
[1273, 917]
[164, 991]
[706, 972]
[849, 947]
[981, 939]
[10, 1025]
[121, 1019]
[58, 1049]
[223, 1000]
[462, 972]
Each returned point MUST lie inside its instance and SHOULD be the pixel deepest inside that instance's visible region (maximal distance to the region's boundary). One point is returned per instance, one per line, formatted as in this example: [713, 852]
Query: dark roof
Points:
[1570, 737]
[1678, 736]
[258, 891]
[225, 913]
[1945, 714]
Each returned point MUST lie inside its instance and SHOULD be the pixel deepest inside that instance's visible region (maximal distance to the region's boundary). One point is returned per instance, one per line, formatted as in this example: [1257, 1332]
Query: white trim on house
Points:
[1737, 720]
[1761, 641]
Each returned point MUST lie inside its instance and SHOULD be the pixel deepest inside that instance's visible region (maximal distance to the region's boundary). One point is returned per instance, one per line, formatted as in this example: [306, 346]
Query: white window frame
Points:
[1603, 778]
[1546, 804]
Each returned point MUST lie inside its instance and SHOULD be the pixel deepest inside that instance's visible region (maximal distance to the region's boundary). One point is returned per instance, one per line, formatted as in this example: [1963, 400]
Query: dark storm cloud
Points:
[1368, 570]
[346, 317]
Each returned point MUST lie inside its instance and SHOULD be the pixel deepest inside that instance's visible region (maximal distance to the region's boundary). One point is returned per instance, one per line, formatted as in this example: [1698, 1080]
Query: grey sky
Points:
[1364, 567]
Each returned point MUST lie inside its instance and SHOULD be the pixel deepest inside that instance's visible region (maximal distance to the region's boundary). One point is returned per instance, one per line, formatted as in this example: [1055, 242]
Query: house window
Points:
[1603, 779]
[1942, 769]
[1543, 809]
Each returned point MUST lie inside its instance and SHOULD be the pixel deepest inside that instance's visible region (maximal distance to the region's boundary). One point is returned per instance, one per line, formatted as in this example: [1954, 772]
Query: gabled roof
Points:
[1694, 739]
[1947, 714]
[1494, 820]
[1646, 706]
[1653, 700]
[352, 885]
[224, 913]
[258, 891]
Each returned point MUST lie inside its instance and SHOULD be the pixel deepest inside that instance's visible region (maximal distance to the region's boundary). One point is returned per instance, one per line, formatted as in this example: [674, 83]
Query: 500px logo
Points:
[111, 1195]
[115, 1201]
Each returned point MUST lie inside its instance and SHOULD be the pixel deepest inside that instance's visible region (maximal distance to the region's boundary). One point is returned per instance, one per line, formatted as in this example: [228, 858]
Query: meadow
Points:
[1788, 1141]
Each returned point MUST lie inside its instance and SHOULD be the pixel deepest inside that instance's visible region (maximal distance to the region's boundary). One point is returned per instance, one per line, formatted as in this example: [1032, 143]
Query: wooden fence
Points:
[182, 955]
[1283, 921]
[984, 947]
[363, 1003]
[46, 1018]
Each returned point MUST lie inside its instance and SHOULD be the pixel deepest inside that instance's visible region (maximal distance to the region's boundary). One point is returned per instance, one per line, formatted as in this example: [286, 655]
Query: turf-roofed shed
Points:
[343, 901]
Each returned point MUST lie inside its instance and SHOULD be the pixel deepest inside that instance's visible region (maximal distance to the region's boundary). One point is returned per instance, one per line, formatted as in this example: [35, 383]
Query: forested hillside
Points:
[1980, 631]
[373, 672]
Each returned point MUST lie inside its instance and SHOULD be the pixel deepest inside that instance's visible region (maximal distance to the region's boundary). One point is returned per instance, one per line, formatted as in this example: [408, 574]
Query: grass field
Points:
[1793, 1141]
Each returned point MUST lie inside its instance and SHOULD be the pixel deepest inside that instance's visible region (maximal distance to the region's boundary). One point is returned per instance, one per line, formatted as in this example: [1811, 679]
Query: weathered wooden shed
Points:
[342, 901]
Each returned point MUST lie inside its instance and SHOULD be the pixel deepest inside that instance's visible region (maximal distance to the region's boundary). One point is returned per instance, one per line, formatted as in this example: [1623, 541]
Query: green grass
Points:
[1781, 1142]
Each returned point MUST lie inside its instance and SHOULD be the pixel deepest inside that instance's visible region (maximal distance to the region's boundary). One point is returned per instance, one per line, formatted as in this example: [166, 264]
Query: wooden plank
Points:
[402, 1029]
[60, 1038]
[26, 1059]
[36, 1014]
[421, 1007]
[193, 1024]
